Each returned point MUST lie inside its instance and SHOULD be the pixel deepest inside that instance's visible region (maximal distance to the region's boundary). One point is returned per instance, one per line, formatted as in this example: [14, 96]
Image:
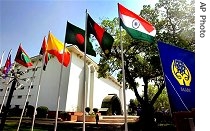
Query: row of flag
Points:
[75, 35]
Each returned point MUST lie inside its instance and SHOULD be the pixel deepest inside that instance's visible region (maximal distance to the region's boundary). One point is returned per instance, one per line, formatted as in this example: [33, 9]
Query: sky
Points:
[27, 22]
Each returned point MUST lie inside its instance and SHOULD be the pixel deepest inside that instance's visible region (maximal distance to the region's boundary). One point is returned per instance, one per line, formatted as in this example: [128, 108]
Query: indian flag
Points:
[136, 26]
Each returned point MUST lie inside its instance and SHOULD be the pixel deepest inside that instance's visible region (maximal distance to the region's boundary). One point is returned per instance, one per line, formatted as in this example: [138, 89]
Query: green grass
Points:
[12, 126]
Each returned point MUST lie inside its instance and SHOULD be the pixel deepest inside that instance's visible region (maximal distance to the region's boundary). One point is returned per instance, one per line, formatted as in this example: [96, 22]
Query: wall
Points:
[72, 86]
[75, 87]
[48, 86]
[103, 87]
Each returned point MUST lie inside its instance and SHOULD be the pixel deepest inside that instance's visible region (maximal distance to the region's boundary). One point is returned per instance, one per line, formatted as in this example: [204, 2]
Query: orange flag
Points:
[55, 47]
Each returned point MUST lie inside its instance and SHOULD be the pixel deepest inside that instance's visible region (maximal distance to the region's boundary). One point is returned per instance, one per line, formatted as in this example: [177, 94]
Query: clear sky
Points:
[27, 22]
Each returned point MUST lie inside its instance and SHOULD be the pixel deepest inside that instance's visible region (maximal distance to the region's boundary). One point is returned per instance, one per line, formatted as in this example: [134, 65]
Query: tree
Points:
[179, 27]
[174, 22]
[132, 106]
[162, 100]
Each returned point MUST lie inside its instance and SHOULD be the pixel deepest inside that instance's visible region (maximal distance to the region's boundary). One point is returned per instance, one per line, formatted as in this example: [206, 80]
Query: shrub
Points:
[30, 111]
[64, 115]
[42, 111]
[87, 109]
[15, 111]
[95, 110]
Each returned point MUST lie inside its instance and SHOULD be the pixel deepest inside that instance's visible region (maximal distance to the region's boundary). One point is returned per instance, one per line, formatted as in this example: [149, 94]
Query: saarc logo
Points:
[181, 72]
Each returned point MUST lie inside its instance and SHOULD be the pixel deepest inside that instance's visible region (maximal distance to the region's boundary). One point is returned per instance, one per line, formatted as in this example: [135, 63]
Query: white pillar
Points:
[92, 78]
[87, 85]
[121, 97]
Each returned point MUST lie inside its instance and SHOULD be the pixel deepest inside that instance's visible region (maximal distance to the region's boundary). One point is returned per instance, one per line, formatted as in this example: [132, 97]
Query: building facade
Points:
[71, 85]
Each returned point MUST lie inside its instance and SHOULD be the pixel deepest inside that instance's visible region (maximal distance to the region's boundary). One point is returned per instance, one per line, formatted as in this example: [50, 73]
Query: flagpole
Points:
[123, 71]
[37, 97]
[58, 99]
[2, 104]
[8, 81]
[31, 83]
[6, 90]
[84, 78]
[2, 56]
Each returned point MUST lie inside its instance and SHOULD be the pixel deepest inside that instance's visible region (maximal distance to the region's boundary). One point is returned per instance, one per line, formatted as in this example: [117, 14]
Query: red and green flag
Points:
[104, 39]
[76, 36]
[22, 58]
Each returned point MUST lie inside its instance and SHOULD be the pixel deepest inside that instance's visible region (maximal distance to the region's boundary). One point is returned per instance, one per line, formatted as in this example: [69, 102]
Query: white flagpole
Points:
[37, 97]
[123, 71]
[2, 56]
[84, 77]
[7, 82]
[29, 89]
[9, 54]
[2, 104]
[58, 99]
[6, 90]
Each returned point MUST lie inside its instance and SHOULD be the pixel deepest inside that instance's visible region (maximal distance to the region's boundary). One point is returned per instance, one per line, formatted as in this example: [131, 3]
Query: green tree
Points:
[174, 22]
[162, 100]
[132, 107]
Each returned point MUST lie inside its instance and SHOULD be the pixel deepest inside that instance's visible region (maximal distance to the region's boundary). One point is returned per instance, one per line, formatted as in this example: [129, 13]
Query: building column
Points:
[91, 93]
[121, 98]
[87, 86]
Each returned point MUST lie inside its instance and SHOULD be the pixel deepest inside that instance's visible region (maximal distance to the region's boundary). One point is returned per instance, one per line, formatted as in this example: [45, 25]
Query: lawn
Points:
[12, 126]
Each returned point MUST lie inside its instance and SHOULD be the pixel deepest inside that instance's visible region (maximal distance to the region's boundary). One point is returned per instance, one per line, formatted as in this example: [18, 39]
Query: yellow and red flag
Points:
[56, 47]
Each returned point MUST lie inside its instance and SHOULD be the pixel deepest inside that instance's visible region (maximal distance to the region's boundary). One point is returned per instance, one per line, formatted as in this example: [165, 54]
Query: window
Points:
[1, 90]
[19, 97]
[31, 86]
[22, 88]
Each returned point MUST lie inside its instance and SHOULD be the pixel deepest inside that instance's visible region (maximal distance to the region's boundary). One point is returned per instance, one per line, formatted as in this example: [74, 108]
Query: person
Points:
[97, 119]
[26, 109]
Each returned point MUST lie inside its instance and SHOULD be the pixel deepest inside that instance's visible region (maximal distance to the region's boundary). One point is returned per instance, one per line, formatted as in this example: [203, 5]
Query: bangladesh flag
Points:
[104, 39]
[136, 26]
[76, 36]
[22, 58]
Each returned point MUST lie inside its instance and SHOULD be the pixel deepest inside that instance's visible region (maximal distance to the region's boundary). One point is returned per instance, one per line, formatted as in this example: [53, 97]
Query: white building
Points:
[71, 89]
